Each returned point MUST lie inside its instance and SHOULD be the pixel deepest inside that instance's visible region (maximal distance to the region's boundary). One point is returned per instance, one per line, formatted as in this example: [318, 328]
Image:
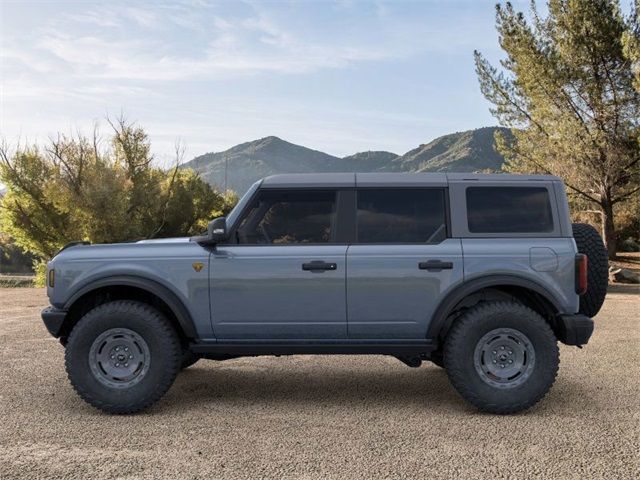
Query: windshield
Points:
[233, 214]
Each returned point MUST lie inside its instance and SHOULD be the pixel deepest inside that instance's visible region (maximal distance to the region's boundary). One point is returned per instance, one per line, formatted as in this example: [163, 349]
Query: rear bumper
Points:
[574, 329]
[53, 319]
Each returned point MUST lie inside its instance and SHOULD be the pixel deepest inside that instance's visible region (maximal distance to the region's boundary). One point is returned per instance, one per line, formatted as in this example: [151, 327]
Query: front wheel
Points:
[122, 356]
[501, 356]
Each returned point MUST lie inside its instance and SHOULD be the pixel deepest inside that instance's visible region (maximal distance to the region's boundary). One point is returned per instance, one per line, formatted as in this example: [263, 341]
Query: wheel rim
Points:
[119, 358]
[504, 358]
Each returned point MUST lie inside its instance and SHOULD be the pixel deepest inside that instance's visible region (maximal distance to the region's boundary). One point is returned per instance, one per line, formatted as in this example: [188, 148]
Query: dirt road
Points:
[320, 417]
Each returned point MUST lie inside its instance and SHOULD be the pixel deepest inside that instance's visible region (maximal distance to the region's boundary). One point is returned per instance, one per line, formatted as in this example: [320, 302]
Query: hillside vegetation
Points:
[240, 166]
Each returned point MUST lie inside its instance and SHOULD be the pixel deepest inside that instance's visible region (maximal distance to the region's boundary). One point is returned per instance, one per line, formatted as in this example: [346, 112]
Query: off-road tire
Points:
[590, 243]
[188, 358]
[469, 330]
[165, 356]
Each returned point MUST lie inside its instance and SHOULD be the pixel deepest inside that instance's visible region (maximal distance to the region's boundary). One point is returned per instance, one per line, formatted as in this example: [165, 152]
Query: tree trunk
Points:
[608, 227]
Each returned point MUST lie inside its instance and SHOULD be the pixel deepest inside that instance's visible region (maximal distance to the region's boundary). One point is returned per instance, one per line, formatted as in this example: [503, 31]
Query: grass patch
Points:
[16, 281]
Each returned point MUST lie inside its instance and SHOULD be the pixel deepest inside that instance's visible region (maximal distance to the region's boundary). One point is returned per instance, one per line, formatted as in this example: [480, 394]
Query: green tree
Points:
[631, 41]
[566, 89]
[77, 189]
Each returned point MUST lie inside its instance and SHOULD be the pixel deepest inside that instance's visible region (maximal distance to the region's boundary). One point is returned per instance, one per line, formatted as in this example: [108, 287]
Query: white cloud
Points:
[250, 46]
[66, 66]
[115, 43]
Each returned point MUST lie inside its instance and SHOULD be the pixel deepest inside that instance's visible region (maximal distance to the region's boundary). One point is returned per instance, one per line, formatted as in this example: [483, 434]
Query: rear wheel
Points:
[590, 243]
[501, 356]
[122, 356]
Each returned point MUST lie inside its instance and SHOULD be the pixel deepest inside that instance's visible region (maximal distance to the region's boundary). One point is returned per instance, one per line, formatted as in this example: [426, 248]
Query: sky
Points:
[341, 77]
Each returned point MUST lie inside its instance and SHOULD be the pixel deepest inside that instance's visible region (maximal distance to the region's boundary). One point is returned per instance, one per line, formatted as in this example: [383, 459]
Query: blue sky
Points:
[340, 76]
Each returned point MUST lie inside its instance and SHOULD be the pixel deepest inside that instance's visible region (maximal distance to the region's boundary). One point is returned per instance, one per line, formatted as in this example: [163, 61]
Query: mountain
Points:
[468, 151]
[247, 162]
[368, 161]
[243, 164]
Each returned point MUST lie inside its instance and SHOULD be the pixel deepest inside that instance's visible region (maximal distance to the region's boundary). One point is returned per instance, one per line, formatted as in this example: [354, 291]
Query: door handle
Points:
[319, 266]
[435, 265]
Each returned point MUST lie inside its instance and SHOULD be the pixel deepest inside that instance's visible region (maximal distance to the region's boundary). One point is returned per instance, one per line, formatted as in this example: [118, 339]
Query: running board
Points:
[314, 348]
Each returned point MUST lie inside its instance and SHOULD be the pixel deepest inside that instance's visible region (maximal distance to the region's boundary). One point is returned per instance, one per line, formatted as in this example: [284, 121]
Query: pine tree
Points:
[567, 91]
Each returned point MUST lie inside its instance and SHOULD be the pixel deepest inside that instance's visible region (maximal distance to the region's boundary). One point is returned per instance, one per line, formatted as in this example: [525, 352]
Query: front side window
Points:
[509, 210]
[289, 217]
[401, 215]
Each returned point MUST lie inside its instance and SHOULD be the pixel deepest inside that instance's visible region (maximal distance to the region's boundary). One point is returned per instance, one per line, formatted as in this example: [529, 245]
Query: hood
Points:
[112, 251]
[165, 240]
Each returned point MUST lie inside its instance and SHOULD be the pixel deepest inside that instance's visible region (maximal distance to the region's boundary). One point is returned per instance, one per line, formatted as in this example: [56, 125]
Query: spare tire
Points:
[590, 243]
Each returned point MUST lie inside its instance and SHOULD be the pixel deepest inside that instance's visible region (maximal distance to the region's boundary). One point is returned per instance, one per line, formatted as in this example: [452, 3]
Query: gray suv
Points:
[480, 274]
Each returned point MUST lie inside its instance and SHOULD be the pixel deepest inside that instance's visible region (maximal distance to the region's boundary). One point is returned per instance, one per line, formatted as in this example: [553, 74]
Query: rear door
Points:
[401, 263]
[285, 276]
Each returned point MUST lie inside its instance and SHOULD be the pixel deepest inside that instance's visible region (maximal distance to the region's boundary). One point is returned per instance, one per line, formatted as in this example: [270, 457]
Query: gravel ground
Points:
[320, 417]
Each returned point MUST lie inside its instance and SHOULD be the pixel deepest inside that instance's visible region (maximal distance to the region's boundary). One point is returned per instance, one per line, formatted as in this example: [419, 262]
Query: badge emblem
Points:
[197, 266]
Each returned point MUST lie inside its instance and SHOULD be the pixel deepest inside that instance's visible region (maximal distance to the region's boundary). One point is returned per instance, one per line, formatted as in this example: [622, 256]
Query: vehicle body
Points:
[365, 263]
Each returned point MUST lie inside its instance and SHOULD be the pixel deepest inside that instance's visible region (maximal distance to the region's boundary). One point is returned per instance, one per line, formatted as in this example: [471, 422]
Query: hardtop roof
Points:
[384, 179]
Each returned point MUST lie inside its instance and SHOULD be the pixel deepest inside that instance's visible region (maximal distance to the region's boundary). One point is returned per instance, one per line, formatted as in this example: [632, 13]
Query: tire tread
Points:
[455, 345]
[590, 243]
[162, 326]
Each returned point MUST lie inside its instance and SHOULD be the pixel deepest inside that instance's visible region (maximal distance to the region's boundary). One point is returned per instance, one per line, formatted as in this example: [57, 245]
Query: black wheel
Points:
[501, 356]
[122, 356]
[188, 358]
[590, 243]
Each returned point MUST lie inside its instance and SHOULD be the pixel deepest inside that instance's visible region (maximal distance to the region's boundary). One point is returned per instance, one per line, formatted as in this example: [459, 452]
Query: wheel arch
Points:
[534, 295]
[132, 288]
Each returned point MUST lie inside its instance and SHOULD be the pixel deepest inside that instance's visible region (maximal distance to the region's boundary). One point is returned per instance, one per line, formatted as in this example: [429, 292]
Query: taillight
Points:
[581, 273]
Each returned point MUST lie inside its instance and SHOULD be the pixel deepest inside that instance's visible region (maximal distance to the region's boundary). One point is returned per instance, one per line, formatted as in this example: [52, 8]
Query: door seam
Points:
[346, 288]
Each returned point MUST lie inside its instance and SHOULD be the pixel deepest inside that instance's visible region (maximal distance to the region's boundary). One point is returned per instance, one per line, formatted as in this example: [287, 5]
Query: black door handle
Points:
[435, 265]
[319, 266]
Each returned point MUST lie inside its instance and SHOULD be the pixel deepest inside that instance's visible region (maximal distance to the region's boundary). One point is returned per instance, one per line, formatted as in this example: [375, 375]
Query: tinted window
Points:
[279, 217]
[509, 210]
[401, 216]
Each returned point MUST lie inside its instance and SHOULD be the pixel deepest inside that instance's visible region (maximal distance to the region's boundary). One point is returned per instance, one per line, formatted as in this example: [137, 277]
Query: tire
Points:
[122, 331]
[469, 357]
[188, 359]
[590, 243]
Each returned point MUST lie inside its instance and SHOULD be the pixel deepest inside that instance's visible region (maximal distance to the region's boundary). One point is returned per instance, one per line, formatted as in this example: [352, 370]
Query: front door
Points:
[285, 275]
[401, 264]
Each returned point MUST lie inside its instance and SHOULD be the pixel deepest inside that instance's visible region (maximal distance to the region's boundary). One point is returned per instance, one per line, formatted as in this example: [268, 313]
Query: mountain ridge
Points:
[241, 165]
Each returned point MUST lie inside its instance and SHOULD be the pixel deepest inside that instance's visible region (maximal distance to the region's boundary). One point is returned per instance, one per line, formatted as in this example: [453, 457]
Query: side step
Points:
[242, 348]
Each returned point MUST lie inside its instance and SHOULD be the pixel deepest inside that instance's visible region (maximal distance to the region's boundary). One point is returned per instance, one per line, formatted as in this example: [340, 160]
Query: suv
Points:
[479, 274]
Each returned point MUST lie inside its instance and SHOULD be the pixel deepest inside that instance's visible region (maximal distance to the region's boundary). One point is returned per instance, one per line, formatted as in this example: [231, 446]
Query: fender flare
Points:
[165, 294]
[459, 293]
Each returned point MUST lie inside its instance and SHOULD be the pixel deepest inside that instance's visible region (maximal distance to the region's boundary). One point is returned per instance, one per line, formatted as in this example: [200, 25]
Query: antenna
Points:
[226, 161]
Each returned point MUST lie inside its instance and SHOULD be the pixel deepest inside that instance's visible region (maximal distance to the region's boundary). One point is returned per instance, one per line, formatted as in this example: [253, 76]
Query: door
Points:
[285, 276]
[401, 263]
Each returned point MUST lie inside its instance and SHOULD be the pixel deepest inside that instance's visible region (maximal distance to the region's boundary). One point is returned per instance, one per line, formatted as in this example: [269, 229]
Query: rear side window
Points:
[509, 210]
[401, 216]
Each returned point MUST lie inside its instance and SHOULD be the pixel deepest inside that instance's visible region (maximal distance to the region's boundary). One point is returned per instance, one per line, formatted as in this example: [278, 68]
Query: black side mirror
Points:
[216, 232]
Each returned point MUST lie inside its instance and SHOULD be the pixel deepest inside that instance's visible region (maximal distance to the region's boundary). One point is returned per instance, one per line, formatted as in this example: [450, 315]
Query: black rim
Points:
[119, 358]
[504, 358]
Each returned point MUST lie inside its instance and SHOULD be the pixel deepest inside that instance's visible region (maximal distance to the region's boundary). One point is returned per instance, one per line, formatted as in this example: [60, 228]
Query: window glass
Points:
[289, 217]
[509, 210]
[401, 216]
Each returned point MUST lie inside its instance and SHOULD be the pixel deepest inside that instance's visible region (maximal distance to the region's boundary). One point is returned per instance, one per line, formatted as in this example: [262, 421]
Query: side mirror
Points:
[216, 232]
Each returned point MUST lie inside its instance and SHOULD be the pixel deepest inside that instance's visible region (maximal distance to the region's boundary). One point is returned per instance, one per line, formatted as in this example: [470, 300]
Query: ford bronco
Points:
[480, 274]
